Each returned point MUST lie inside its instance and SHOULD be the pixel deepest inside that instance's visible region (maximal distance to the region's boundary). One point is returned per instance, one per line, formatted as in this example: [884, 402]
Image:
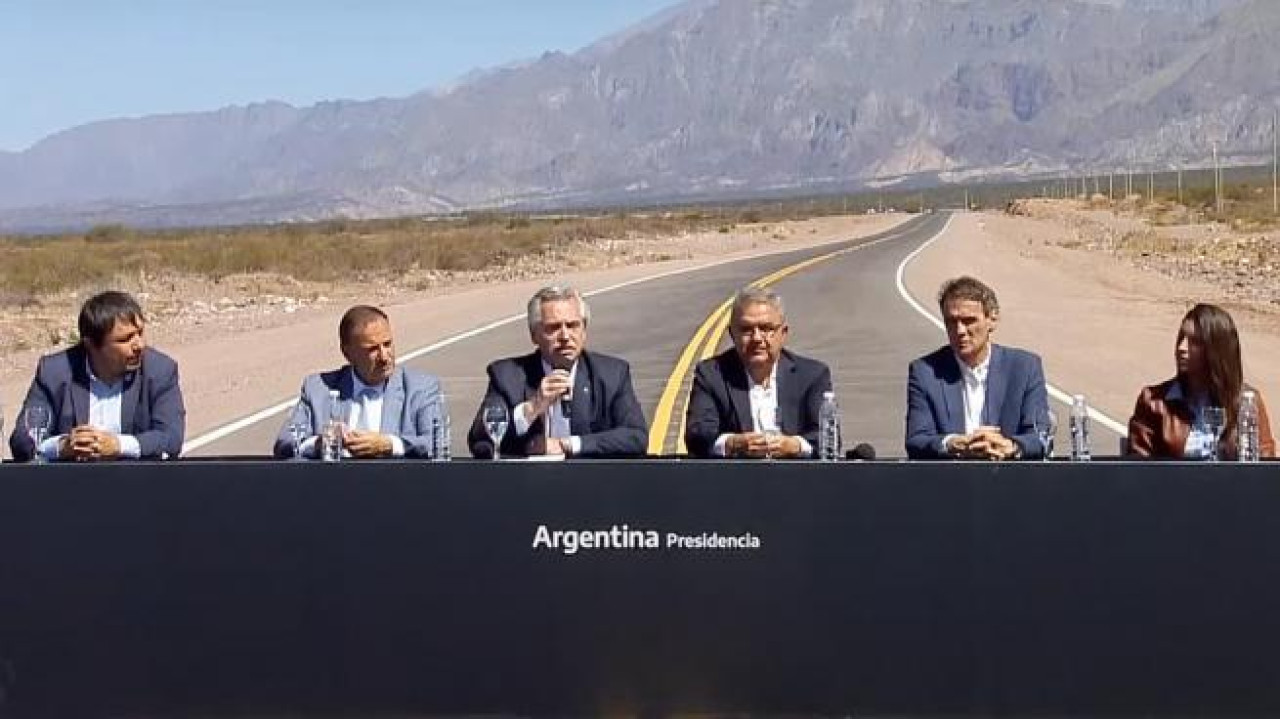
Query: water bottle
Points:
[331, 438]
[435, 439]
[1247, 422]
[446, 441]
[829, 428]
[1079, 429]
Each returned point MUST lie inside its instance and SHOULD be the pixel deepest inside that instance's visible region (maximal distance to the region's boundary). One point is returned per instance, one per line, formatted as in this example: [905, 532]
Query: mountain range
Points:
[710, 98]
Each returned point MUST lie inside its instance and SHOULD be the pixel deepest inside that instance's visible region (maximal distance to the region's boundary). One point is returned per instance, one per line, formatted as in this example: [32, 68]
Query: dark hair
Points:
[356, 318]
[968, 288]
[1224, 374]
[98, 315]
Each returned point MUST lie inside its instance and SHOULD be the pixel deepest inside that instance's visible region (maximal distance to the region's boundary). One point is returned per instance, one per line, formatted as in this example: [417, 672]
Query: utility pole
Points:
[1217, 181]
[1275, 164]
[1151, 185]
[1179, 183]
[1111, 186]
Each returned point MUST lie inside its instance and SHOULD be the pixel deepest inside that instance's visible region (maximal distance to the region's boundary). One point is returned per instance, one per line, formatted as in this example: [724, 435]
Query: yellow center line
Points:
[706, 339]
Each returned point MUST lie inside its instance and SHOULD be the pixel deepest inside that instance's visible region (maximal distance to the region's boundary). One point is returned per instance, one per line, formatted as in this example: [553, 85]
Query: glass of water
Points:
[1215, 420]
[495, 424]
[1047, 429]
[36, 420]
[297, 435]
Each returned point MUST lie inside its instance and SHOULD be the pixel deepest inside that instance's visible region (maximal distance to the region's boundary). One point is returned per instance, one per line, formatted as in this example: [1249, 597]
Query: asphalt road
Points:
[843, 307]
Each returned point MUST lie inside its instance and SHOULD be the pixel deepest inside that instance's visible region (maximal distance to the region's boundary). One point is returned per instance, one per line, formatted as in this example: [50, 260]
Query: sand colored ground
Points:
[1103, 326]
[244, 361]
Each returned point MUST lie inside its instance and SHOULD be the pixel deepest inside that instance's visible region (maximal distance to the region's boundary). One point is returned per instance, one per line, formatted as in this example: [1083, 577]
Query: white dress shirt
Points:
[557, 424]
[104, 415]
[975, 395]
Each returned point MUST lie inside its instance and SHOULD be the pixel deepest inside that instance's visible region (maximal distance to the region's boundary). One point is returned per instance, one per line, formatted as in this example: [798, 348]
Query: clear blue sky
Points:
[68, 62]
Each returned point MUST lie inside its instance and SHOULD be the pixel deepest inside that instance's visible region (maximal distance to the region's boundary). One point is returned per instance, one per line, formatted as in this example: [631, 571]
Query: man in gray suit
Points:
[108, 397]
[390, 411]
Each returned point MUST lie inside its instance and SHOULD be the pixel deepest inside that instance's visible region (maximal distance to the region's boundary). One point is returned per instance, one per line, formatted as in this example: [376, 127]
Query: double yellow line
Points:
[703, 345]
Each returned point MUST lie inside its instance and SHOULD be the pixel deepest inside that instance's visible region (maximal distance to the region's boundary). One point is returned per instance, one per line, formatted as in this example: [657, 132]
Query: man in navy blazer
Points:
[756, 399]
[387, 410]
[109, 397]
[974, 399]
[561, 399]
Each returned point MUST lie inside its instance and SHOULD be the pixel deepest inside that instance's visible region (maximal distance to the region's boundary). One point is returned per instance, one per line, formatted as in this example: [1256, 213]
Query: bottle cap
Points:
[829, 394]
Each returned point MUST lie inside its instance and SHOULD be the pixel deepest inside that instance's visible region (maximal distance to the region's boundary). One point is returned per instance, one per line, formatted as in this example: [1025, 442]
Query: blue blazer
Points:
[935, 400]
[720, 399]
[606, 413]
[410, 403]
[151, 408]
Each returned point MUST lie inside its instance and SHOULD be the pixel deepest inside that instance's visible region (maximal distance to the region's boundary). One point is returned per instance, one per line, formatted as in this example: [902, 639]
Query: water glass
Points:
[495, 424]
[1215, 420]
[36, 420]
[1046, 426]
[297, 436]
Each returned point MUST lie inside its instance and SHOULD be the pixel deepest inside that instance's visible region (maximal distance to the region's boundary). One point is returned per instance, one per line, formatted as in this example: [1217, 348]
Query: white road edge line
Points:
[1058, 394]
[231, 428]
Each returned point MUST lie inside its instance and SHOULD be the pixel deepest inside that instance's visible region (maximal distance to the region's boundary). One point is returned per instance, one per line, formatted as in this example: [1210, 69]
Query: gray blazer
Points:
[411, 401]
[151, 409]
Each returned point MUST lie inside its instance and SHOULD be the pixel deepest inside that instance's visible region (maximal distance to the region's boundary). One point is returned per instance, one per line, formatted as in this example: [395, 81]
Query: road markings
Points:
[706, 338]
[1054, 391]
[234, 426]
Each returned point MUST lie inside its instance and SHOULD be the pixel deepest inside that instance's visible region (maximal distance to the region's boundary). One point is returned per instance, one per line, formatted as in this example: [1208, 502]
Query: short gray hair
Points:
[756, 296]
[556, 293]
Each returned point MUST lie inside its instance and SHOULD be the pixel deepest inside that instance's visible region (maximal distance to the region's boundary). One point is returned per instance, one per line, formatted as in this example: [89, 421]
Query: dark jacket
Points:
[605, 412]
[151, 408]
[720, 400]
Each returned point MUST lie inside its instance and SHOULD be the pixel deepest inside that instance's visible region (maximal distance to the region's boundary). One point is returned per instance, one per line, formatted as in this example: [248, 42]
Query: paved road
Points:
[843, 308]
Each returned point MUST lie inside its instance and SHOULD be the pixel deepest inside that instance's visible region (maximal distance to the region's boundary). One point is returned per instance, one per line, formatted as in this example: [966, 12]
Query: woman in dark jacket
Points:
[1168, 418]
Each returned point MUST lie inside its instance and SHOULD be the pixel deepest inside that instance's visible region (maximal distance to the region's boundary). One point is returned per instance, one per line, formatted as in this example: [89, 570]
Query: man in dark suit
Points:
[974, 399]
[108, 397]
[562, 399]
[756, 399]
[387, 410]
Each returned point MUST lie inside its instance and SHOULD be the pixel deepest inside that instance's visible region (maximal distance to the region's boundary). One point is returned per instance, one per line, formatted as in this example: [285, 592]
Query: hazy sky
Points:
[67, 62]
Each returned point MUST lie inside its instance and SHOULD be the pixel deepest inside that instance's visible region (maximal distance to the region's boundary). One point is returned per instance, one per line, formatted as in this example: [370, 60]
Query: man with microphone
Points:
[562, 399]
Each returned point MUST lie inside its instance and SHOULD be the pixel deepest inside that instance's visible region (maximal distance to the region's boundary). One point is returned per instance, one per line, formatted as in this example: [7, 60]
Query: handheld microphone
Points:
[566, 399]
[861, 453]
[482, 450]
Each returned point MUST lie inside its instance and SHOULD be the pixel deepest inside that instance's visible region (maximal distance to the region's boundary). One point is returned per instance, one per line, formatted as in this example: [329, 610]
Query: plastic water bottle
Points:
[436, 431]
[331, 438]
[446, 438]
[1079, 429]
[829, 429]
[1248, 427]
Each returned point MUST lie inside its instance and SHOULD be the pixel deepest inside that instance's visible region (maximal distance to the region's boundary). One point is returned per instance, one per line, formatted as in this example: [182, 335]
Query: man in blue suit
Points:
[390, 411]
[109, 397]
[974, 399]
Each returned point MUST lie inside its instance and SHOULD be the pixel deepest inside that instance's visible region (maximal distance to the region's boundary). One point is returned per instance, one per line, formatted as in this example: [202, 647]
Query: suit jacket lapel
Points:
[953, 395]
[997, 378]
[130, 396]
[79, 391]
[582, 403]
[739, 387]
[393, 403]
[788, 396]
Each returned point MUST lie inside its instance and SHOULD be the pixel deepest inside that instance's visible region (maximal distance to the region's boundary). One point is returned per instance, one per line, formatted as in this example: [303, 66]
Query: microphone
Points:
[862, 452]
[566, 409]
